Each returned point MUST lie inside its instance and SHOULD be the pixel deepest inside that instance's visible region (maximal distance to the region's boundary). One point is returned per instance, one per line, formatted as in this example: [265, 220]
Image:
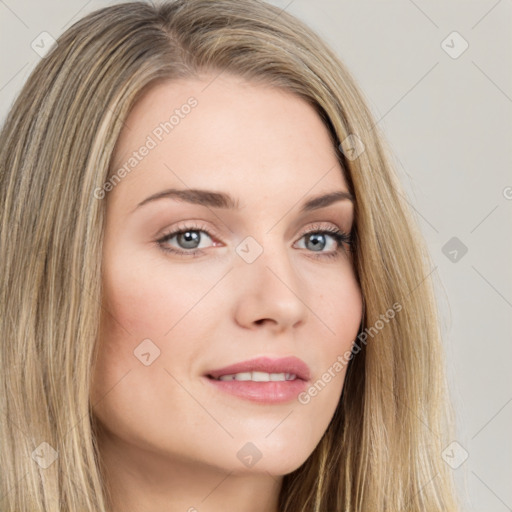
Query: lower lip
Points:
[271, 392]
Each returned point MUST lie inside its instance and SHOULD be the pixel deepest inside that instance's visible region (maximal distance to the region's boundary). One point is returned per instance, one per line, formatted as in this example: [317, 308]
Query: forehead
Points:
[224, 132]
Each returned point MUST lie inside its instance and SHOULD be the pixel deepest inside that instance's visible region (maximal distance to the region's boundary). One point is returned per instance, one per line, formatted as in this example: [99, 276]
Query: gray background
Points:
[448, 121]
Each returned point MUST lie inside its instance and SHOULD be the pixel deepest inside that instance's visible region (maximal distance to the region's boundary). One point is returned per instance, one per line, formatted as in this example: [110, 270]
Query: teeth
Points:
[259, 376]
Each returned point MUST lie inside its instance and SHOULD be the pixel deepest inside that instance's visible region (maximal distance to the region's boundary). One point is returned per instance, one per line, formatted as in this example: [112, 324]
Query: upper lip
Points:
[266, 364]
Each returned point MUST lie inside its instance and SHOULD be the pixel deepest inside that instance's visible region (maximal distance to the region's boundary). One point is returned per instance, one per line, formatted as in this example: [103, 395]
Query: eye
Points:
[318, 237]
[189, 240]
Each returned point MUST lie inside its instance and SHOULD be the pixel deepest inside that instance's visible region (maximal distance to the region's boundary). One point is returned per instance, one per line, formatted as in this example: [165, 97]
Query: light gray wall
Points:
[448, 120]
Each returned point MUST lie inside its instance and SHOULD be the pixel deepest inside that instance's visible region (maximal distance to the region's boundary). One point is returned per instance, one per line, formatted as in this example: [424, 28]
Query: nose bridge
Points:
[267, 259]
[268, 285]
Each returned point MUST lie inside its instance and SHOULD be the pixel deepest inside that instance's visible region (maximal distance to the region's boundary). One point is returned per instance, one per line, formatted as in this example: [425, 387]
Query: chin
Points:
[281, 468]
[277, 462]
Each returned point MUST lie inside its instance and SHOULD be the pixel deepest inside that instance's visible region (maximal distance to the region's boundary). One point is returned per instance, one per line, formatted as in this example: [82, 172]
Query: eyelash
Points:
[339, 236]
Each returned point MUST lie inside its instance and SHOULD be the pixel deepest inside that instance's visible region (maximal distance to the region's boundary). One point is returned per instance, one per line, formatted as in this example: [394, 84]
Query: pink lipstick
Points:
[262, 379]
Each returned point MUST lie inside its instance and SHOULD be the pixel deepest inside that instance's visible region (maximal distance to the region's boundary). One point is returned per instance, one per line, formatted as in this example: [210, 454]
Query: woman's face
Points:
[243, 281]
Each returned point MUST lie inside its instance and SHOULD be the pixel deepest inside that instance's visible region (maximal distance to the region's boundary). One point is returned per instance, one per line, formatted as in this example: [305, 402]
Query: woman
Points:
[213, 293]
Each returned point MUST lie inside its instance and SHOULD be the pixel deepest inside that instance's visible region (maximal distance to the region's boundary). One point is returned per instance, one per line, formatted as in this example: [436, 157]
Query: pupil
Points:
[189, 239]
[316, 242]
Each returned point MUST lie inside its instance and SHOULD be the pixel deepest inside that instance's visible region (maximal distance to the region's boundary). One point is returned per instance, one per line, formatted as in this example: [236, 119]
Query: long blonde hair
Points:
[383, 448]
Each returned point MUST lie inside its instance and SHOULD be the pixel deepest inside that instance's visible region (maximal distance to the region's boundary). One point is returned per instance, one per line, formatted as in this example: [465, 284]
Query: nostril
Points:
[263, 320]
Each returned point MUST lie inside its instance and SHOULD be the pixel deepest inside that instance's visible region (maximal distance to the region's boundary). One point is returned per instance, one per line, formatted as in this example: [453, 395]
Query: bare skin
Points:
[170, 440]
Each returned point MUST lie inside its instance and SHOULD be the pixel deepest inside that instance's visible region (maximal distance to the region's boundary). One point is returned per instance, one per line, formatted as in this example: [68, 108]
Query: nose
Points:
[268, 293]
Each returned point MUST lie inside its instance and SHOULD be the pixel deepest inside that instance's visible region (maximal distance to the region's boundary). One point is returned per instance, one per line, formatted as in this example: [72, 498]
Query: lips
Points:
[285, 365]
[262, 380]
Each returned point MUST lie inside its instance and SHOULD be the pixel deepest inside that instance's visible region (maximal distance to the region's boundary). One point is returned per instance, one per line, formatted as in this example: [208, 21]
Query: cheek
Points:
[346, 315]
[337, 314]
[337, 303]
[144, 301]
[147, 299]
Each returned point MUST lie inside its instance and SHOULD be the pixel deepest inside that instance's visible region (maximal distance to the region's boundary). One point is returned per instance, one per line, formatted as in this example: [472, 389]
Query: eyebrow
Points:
[223, 200]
